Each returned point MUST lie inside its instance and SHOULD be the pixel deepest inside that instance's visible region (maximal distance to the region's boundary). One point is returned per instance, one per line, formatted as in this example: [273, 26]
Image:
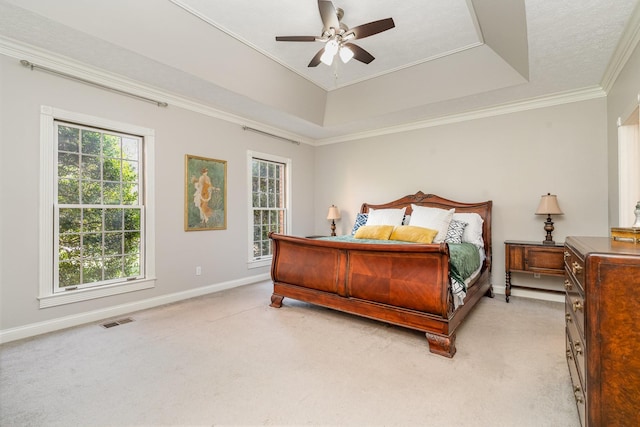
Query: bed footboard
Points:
[401, 284]
[405, 285]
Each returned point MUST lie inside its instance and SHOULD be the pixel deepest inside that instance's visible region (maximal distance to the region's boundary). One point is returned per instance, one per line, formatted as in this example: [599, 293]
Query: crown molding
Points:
[22, 51]
[498, 110]
[627, 44]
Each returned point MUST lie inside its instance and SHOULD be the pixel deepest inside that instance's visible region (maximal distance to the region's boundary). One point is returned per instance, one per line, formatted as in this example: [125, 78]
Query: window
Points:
[269, 201]
[98, 212]
[97, 206]
[628, 168]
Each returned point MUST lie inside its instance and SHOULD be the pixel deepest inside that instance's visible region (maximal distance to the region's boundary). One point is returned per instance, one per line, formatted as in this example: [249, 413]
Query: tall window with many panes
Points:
[269, 203]
[98, 207]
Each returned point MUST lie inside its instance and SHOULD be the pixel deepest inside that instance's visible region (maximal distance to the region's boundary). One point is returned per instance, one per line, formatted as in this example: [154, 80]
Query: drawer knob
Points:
[567, 254]
[577, 392]
[578, 347]
[567, 317]
[576, 268]
[577, 305]
[568, 285]
[569, 355]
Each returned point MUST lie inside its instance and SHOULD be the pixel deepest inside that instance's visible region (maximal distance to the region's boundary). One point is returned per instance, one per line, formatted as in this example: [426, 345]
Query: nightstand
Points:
[532, 258]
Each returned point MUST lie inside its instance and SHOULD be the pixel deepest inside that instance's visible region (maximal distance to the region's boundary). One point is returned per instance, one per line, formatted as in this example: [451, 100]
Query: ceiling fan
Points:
[338, 36]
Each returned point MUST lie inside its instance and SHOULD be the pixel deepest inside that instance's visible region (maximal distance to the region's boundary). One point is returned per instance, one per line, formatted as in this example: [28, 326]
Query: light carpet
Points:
[230, 359]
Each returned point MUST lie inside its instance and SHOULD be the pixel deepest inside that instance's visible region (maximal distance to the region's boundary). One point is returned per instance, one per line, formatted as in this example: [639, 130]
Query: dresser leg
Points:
[507, 287]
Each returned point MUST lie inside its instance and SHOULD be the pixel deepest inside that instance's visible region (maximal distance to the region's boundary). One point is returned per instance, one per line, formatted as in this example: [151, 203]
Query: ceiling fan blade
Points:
[359, 53]
[295, 38]
[375, 27]
[316, 59]
[328, 15]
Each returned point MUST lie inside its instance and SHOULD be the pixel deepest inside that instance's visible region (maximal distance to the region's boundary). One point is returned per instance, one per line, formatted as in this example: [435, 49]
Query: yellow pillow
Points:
[412, 233]
[377, 232]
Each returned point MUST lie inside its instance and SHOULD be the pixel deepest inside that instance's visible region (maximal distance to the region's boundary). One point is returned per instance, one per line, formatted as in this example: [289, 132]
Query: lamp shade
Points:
[334, 213]
[549, 205]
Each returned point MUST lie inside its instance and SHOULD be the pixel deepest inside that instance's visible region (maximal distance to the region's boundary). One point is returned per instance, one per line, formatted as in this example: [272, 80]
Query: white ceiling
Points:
[443, 58]
[257, 22]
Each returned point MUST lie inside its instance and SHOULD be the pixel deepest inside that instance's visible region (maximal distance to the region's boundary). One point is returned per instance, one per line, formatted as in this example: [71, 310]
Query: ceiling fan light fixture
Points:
[332, 47]
[345, 54]
[337, 36]
[327, 58]
[330, 51]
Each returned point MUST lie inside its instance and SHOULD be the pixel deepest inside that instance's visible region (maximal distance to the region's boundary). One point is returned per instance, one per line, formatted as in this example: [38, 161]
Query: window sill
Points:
[259, 263]
[69, 297]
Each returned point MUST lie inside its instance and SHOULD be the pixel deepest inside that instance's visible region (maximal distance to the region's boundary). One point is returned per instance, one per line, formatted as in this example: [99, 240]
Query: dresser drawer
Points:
[575, 344]
[574, 267]
[576, 384]
[574, 303]
[602, 323]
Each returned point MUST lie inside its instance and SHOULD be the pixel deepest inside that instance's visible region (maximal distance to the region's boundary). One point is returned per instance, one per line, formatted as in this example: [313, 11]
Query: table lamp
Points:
[333, 214]
[549, 206]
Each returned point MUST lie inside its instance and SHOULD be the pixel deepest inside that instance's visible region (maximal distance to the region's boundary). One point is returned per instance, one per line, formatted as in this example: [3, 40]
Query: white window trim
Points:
[46, 296]
[266, 261]
[628, 167]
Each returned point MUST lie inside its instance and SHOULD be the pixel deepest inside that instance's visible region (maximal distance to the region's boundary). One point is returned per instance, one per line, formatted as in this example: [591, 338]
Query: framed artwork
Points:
[205, 194]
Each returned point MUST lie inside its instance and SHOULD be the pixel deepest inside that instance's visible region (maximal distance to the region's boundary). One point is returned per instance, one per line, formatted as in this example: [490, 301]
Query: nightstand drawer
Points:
[544, 260]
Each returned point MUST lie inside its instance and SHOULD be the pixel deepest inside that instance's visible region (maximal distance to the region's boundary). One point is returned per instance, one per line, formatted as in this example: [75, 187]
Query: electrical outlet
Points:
[198, 270]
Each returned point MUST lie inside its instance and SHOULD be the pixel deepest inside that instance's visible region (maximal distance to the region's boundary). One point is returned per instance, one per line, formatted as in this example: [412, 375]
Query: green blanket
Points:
[465, 259]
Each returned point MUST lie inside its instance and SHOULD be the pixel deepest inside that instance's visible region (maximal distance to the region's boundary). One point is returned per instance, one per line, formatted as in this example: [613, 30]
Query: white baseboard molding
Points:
[531, 293]
[33, 329]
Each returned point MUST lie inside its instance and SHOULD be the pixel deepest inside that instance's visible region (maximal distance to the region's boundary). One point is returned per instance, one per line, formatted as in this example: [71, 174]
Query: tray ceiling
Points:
[441, 59]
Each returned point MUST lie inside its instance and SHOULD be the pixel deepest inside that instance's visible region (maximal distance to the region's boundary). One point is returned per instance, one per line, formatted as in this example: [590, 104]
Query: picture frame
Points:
[205, 193]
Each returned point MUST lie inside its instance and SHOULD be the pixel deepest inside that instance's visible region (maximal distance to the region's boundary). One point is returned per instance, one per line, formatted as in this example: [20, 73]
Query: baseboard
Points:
[531, 293]
[52, 325]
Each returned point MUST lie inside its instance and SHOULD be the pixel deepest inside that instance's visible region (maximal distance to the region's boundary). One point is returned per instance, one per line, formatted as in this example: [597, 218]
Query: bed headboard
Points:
[431, 200]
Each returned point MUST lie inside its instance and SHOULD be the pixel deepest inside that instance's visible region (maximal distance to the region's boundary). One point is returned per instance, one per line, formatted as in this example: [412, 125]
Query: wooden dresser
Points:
[603, 329]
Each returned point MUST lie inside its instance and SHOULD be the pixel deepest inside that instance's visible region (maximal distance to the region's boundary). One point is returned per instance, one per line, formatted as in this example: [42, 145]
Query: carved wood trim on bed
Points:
[402, 284]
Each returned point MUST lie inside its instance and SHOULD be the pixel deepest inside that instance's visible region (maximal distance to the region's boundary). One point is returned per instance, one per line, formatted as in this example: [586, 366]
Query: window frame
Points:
[251, 155]
[628, 167]
[47, 295]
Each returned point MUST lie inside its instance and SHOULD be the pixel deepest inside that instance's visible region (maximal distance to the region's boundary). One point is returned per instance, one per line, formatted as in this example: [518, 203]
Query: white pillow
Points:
[473, 230]
[434, 218]
[385, 216]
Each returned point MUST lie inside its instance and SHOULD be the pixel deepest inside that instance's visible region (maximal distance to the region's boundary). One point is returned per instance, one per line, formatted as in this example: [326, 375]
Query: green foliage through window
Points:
[268, 198]
[99, 206]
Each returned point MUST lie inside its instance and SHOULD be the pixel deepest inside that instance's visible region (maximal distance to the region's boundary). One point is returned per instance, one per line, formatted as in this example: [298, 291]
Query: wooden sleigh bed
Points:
[402, 284]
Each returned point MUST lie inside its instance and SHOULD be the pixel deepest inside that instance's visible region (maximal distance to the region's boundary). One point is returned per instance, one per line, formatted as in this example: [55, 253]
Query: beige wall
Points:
[511, 159]
[569, 150]
[222, 254]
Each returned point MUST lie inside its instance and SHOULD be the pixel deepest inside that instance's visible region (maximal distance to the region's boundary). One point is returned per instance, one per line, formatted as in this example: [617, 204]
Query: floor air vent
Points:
[117, 322]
